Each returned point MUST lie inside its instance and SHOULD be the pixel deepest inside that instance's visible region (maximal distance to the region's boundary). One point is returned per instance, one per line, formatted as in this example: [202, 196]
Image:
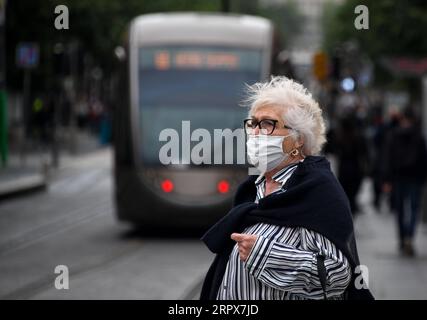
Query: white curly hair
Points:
[300, 111]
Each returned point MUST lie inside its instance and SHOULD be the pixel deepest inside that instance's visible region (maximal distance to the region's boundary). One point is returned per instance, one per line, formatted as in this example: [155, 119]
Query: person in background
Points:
[405, 171]
[381, 128]
[376, 143]
[352, 152]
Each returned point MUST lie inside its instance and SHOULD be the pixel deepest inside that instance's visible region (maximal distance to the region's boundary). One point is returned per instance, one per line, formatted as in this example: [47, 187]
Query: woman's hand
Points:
[245, 242]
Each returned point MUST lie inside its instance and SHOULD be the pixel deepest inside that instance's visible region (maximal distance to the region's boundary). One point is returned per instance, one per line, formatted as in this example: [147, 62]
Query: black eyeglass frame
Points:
[259, 122]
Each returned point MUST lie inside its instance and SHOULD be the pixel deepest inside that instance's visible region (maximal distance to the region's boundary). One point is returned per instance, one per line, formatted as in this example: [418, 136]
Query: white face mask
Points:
[265, 152]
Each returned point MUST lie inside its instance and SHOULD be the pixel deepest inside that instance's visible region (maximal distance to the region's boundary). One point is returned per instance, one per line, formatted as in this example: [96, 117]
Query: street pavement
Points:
[29, 163]
[391, 276]
[72, 223]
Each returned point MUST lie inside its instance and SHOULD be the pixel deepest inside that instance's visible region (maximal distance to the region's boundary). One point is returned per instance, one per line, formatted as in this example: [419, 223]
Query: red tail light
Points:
[223, 186]
[167, 185]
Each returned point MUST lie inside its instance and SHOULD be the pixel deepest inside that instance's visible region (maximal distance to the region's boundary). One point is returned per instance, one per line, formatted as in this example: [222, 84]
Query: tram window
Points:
[202, 85]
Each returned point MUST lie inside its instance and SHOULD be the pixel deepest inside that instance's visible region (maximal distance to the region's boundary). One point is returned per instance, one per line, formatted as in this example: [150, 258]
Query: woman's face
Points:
[275, 113]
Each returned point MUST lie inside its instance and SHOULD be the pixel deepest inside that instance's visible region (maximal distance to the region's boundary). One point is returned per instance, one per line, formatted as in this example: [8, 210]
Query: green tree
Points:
[97, 25]
[287, 19]
[396, 29]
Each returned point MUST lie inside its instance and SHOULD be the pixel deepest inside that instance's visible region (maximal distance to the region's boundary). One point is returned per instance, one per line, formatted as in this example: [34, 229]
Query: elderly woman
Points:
[289, 234]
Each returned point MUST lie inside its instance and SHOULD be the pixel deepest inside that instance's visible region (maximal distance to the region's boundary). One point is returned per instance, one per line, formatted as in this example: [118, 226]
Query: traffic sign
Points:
[27, 55]
[320, 66]
[2, 12]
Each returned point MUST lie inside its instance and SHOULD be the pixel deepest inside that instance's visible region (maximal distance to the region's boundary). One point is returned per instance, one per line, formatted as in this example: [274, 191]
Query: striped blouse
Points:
[282, 264]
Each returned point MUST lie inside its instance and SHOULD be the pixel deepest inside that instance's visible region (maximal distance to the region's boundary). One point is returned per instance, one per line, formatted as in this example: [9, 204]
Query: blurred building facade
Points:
[309, 40]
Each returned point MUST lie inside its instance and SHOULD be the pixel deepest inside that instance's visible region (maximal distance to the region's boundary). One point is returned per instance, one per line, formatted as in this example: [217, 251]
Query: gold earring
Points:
[295, 153]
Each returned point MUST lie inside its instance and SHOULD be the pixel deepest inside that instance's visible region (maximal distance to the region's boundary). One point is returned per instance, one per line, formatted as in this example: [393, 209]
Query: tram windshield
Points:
[202, 85]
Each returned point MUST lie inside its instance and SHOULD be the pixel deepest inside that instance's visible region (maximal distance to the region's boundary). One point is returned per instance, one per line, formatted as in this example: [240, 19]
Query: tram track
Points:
[66, 221]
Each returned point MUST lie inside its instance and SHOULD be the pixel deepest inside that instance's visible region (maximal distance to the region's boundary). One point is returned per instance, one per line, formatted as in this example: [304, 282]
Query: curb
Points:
[22, 185]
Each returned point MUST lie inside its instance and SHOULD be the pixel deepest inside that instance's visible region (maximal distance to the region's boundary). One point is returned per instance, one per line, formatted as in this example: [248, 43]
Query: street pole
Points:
[26, 108]
[55, 103]
[225, 6]
[424, 126]
[27, 58]
[57, 100]
[73, 52]
[3, 96]
[424, 103]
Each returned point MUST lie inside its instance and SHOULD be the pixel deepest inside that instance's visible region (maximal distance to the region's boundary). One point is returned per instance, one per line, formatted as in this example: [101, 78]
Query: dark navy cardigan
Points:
[313, 199]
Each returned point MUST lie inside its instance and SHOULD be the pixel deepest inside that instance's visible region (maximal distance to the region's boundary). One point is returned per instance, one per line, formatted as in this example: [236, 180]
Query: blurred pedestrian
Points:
[376, 144]
[382, 134]
[405, 171]
[41, 120]
[382, 129]
[290, 233]
[352, 155]
[82, 109]
[96, 109]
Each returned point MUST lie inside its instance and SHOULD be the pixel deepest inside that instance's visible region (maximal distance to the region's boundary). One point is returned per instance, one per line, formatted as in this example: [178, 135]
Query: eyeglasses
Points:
[266, 126]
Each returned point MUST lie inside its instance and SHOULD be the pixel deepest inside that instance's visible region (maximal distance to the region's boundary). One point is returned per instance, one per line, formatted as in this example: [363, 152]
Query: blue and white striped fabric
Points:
[280, 177]
[282, 264]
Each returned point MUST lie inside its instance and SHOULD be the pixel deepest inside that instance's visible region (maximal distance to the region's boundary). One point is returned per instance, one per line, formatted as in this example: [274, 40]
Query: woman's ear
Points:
[299, 142]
